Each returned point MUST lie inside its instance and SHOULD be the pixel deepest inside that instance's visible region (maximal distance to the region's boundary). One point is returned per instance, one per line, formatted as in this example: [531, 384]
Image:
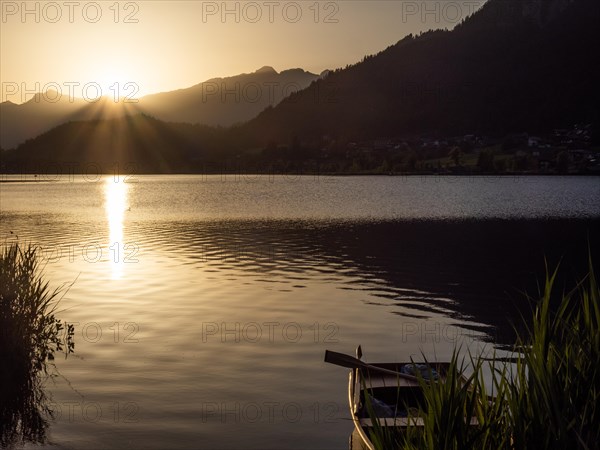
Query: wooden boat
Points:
[393, 390]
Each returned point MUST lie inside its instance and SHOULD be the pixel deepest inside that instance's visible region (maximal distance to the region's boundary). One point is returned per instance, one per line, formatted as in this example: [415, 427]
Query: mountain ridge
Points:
[486, 76]
[43, 111]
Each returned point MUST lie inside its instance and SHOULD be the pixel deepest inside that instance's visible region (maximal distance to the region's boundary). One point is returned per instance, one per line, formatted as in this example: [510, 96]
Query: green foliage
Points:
[380, 435]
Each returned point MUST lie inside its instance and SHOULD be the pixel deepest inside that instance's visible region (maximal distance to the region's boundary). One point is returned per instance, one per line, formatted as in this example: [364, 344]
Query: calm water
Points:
[203, 304]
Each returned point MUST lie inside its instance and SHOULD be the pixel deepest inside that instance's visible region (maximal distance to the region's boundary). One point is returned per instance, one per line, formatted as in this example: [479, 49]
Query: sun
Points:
[117, 83]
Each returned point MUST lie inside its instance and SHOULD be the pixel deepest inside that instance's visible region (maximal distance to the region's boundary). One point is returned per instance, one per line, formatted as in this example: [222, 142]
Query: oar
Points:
[341, 359]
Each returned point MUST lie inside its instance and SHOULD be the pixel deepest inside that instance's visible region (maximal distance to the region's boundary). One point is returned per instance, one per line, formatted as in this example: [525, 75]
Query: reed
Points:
[553, 401]
[30, 336]
[548, 397]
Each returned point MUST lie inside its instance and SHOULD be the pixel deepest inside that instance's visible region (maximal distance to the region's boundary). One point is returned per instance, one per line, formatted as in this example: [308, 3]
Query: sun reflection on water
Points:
[115, 194]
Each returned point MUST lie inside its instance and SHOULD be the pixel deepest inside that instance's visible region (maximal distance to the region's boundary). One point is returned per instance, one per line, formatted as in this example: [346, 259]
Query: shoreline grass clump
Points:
[30, 336]
[546, 397]
[555, 399]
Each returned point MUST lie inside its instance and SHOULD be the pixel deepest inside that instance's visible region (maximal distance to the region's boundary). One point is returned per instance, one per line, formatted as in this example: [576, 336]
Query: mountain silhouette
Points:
[218, 101]
[47, 110]
[517, 65]
[226, 101]
[137, 143]
[513, 66]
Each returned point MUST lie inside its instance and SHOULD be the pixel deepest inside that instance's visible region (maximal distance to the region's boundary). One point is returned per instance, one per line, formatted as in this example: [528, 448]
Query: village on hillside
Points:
[563, 151]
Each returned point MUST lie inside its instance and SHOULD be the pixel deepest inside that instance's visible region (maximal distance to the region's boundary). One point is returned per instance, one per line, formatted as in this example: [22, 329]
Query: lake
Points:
[203, 304]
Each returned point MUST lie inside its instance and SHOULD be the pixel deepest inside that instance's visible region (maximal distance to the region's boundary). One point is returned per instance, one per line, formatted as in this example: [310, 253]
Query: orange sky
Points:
[160, 46]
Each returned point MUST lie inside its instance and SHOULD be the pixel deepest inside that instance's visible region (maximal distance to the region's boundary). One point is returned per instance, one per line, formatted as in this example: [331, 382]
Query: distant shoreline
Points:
[41, 178]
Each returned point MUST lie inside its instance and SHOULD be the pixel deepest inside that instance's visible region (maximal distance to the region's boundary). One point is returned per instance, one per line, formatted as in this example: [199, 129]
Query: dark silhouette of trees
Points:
[562, 162]
[485, 161]
[455, 155]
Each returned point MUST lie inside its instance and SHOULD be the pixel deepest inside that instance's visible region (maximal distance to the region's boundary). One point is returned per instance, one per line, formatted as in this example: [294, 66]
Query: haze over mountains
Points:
[216, 102]
[45, 111]
[519, 65]
[226, 101]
